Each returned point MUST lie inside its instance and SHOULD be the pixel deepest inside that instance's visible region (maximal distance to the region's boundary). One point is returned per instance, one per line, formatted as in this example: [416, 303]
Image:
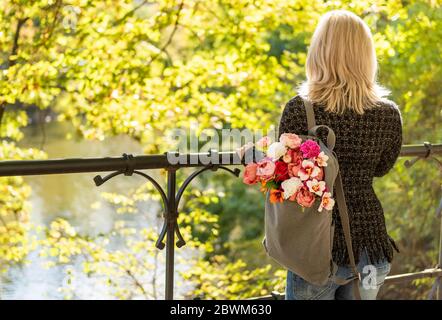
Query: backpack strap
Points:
[345, 222]
[331, 138]
[311, 122]
[313, 128]
[340, 199]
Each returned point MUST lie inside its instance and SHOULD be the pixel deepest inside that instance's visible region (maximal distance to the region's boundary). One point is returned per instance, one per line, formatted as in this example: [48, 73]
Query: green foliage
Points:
[218, 278]
[129, 271]
[409, 209]
[15, 243]
[198, 222]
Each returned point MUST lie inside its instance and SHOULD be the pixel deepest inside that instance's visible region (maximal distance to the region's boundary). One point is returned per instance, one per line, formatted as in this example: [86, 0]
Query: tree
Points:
[128, 67]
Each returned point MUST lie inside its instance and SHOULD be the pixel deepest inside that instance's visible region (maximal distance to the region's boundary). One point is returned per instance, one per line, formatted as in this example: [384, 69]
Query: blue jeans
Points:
[372, 275]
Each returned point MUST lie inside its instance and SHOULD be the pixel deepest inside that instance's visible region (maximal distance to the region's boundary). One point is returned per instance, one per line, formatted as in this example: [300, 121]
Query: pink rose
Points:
[263, 142]
[291, 140]
[293, 169]
[286, 158]
[295, 156]
[310, 149]
[305, 198]
[293, 196]
[266, 169]
[250, 176]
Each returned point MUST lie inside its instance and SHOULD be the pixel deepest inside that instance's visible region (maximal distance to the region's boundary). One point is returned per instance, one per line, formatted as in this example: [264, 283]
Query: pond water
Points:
[70, 196]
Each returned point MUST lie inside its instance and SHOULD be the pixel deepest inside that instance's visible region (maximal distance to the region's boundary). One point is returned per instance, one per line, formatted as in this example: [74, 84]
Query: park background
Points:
[86, 78]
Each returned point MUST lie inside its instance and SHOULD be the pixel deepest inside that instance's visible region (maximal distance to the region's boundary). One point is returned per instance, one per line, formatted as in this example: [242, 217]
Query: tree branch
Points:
[154, 276]
[10, 62]
[169, 40]
[193, 32]
[42, 120]
[51, 28]
[14, 50]
[130, 13]
[2, 111]
[137, 283]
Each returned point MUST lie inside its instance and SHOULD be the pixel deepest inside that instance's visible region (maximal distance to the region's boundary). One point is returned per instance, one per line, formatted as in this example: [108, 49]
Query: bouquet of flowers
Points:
[291, 170]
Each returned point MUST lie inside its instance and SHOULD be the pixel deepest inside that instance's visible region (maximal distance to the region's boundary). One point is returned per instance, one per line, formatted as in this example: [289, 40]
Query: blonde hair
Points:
[341, 65]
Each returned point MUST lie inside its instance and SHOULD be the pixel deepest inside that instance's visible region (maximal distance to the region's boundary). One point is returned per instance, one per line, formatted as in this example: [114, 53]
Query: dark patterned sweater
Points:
[367, 146]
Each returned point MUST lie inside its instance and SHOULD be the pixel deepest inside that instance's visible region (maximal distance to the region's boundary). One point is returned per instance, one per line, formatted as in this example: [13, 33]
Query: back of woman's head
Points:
[341, 64]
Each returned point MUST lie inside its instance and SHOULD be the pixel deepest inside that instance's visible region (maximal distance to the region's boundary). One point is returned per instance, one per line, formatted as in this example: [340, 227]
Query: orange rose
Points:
[305, 198]
[250, 173]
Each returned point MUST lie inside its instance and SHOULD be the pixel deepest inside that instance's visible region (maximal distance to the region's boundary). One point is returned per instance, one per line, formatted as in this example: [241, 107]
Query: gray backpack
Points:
[302, 240]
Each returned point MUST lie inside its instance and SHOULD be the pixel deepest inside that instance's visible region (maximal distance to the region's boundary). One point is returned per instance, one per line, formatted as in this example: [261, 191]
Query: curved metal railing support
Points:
[129, 171]
[170, 203]
[212, 167]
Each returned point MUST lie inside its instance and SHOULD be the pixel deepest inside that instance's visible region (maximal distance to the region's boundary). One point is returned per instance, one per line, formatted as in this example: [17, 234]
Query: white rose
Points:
[276, 150]
[291, 186]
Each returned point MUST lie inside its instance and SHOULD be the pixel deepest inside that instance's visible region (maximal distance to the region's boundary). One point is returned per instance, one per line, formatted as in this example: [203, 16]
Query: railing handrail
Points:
[104, 164]
[156, 161]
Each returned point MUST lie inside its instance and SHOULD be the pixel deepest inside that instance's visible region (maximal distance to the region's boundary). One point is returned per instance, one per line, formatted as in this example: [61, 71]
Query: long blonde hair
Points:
[341, 65]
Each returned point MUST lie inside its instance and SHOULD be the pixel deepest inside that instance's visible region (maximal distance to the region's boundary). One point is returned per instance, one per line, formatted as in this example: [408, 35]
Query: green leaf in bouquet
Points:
[271, 185]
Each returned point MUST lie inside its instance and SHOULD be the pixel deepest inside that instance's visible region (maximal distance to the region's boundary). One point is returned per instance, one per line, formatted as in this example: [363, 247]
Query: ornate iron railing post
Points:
[171, 220]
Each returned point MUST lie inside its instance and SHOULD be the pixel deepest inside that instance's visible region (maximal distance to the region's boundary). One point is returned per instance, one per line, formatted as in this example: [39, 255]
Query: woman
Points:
[341, 71]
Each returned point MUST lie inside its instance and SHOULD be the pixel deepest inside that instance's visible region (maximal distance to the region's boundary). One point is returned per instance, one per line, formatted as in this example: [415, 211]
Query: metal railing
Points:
[129, 165]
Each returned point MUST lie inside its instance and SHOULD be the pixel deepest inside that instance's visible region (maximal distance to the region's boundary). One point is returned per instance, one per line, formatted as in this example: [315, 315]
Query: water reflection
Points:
[71, 196]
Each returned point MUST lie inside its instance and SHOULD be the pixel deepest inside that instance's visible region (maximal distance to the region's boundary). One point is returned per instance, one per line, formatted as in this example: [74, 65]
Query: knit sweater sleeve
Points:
[393, 144]
[293, 118]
